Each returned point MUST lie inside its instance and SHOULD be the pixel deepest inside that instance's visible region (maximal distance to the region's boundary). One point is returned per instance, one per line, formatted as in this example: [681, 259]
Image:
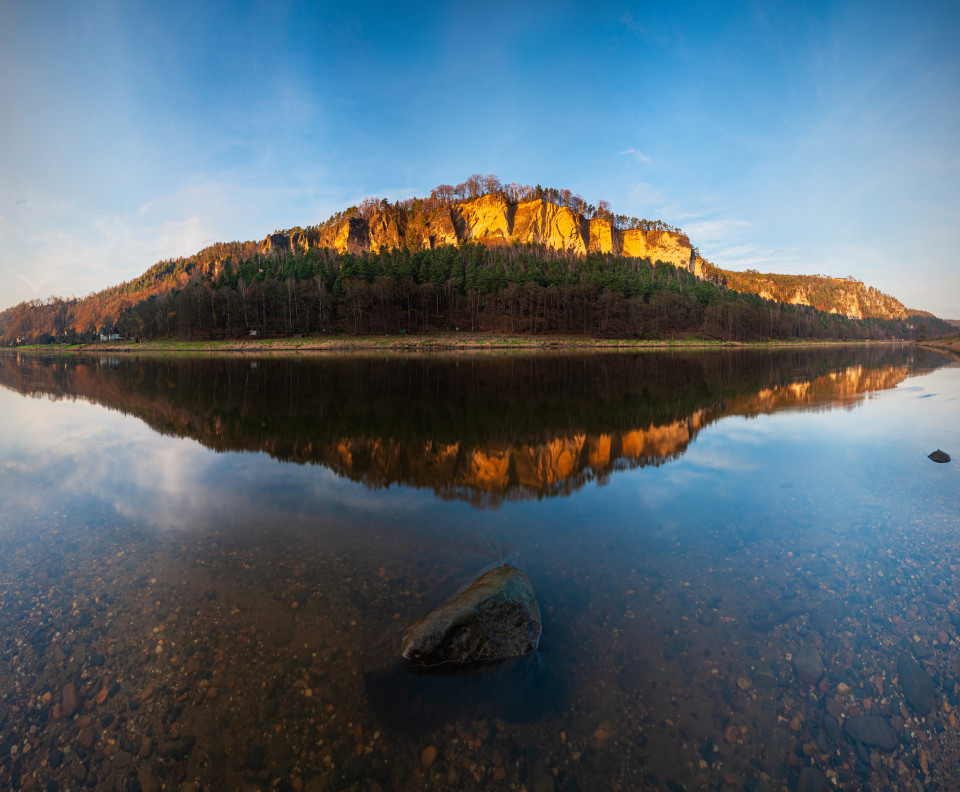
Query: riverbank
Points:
[951, 344]
[432, 342]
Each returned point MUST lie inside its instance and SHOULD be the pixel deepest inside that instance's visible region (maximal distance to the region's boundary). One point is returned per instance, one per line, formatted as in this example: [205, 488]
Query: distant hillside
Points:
[481, 248]
[846, 296]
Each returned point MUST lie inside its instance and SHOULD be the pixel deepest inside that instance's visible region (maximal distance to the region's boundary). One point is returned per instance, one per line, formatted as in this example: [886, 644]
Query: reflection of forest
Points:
[482, 428]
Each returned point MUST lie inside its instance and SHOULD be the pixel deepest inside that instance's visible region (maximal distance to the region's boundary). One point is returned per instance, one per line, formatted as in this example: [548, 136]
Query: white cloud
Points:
[640, 156]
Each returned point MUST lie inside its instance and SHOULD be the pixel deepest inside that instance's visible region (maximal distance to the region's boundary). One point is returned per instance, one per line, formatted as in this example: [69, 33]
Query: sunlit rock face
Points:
[496, 618]
[485, 220]
[604, 238]
[543, 223]
[492, 220]
[663, 245]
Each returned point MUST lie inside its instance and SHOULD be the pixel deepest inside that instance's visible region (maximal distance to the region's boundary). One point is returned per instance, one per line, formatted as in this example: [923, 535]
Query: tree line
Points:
[515, 289]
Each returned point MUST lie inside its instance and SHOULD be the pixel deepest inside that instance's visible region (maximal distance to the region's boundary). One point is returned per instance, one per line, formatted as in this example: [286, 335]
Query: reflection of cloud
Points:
[94, 458]
[21, 202]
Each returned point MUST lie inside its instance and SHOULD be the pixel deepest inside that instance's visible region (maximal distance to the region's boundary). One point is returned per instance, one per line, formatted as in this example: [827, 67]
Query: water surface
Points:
[210, 561]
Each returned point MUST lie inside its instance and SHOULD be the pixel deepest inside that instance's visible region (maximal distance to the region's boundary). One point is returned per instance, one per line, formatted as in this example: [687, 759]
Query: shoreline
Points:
[951, 344]
[439, 342]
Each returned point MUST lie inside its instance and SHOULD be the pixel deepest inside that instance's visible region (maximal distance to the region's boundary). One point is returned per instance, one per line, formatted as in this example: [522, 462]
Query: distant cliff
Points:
[494, 220]
[846, 296]
[488, 220]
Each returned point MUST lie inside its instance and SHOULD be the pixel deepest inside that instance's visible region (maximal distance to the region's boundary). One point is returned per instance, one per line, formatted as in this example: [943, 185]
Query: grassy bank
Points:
[440, 342]
[951, 344]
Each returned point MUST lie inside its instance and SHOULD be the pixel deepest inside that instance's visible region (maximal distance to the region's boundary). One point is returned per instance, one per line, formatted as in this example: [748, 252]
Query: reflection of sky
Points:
[792, 471]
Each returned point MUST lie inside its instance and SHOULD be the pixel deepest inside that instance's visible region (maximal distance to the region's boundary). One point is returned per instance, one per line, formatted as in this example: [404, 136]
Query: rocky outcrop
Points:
[658, 245]
[543, 223]
[490, 220]
[496, 618]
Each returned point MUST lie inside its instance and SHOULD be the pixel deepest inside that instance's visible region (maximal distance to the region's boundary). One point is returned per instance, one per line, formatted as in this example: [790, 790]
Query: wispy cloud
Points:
[21, 202]
[640, 156]
[748, 256]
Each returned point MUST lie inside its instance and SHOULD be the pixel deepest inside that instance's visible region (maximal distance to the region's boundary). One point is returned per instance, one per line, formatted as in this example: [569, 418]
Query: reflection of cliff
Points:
[481, 429]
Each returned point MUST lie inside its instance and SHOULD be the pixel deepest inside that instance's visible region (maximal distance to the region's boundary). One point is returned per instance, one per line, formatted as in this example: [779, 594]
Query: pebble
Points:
[146, 747]
[86, 737]
[147, 781]
[211, 694]
[872, 730]
[943, 638]
[731, 735]
[428, 757]
[68, 700]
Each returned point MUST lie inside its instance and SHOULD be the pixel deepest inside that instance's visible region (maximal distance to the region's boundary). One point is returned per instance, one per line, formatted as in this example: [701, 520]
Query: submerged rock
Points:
[496, 618]
[808, 664]
[872, 730]
[939, 456]
[918, 688]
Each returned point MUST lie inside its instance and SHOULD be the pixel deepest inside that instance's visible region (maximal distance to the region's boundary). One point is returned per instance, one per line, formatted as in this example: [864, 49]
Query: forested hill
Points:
[479, 255]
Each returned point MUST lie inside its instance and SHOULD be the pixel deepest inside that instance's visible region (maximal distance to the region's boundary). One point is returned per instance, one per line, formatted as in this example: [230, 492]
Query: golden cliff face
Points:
[491, 220]
[540, 222]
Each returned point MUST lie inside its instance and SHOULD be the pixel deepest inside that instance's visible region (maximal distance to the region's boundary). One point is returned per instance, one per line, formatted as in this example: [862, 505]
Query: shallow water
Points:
[210, 562]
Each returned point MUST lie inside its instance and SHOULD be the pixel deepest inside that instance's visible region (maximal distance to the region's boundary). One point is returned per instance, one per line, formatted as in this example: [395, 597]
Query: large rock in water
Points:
[496, 618]
[919, 689]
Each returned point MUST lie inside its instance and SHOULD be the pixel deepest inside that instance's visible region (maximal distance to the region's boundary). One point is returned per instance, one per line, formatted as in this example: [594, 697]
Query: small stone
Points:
[146, 748]
[812, 779]
[942, 638]
[743, 683]
[55, 758]
[872, 730]
[796, 724]
[78, 771]
[808, 664]
[147, 782]
[86, 737]
[843, 688]
[604, 732]
[211, 694]
[102, 695]
[918, 688]
[68, 700]
[428, 757]
[731, 735]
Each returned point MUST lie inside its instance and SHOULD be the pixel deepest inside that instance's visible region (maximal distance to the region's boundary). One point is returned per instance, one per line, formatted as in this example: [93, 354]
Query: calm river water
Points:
[746, 564]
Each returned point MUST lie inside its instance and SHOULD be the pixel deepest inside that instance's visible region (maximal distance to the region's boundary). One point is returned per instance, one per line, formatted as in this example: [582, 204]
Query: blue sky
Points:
[800, 138]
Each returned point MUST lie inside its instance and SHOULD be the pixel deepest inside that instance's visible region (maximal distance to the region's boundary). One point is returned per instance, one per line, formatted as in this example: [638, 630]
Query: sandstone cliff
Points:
[489, 220]
[493, 220]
